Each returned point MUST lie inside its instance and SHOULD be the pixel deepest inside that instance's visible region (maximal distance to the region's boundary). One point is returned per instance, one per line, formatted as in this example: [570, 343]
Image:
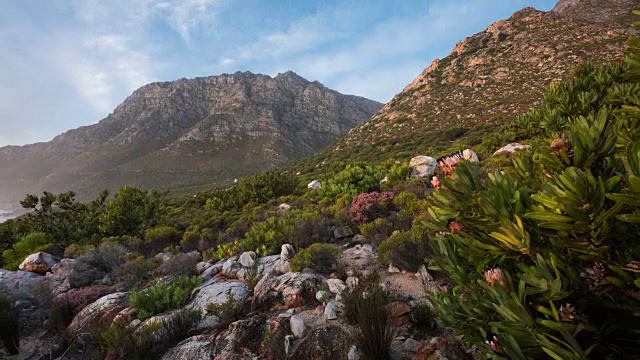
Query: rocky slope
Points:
[495, 75]
[188, 133]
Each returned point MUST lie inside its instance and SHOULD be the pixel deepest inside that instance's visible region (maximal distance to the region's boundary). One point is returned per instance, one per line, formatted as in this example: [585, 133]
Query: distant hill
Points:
[187, 133]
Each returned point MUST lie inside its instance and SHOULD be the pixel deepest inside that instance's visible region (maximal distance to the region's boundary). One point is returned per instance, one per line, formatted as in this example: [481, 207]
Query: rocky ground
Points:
[288, 315]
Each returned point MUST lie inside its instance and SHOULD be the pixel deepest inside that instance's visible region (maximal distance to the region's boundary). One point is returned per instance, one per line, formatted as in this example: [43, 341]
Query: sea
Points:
[7, 211]
[4, 215]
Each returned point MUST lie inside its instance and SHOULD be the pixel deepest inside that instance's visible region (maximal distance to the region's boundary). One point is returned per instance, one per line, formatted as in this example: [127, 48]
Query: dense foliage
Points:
[543, 257]
[164, 296]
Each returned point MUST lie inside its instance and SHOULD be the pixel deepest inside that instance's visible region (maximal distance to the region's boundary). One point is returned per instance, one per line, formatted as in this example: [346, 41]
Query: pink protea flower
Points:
[455, 226]
[494, 344]
[435, 182]
[495, 275]
[567, 313]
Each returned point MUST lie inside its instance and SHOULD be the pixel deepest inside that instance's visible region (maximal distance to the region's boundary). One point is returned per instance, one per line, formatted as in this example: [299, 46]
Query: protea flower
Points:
[596, 277]
[633, 266]
[435, 182]
[494, 344]
[567, 313]
[454, 226]
[495, 275]
[559, 144]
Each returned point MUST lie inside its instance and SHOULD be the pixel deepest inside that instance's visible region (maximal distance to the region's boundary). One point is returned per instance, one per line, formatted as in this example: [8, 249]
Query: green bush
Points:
[402, 251]
[96, 263]
[398, 172]
[27, 245]
[422, 317]
[10, 330]
[543, 258]
[319, 257]
[164, 296]
[160, 237]
[353, 180]
[377, 230]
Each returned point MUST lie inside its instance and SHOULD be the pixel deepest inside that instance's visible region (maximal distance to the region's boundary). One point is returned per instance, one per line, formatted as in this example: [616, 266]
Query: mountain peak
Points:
[596, 10]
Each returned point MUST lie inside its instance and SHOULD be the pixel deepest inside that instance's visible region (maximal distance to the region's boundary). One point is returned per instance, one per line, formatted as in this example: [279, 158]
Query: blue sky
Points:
[68, 63]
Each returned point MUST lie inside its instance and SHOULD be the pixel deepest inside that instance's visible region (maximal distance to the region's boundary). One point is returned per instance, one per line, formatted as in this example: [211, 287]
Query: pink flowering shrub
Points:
[368, 206]
[78, 299]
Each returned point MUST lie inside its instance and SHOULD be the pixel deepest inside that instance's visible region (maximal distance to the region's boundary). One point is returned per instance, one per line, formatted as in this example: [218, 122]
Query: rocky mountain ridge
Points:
[187, 133]
[493, 76]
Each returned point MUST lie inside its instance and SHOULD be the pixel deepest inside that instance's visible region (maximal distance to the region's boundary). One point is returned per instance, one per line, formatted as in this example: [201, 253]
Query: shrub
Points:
[27, 245]
[398, 172]
[306, 228]
[121, 341]
[377, 230]
[135, 269]
[96, 263]
[543, 258]
[265, 237]
[352, 180]
[228, 311]
[10, 330]
[365, 307]
[368, 206]
[180, 264]
[319, 257]
[78, 299]
[164, 296]
[178, 325]
[160, 237]
[421, 316]
[402, 251]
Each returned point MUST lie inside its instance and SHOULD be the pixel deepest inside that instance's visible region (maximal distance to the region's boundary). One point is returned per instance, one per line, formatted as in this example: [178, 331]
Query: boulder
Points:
[298, 326]
[241, 340]
[283, 208]
[212, 271]
[342, 232]
[248, 259]
[230, 268]
[423, 275]
[470, 155]
[423, 166]
[287, 253]
[39, 263]
[196, 347]
[511, 148]
[336, 286]
[102, 311]
[315, 184]
[218, 293]
[360, 258]
[393, 269]
[411, 345]
[330, 311]
[268, 264]
[326, 342]
[291, 289]
[202, 266]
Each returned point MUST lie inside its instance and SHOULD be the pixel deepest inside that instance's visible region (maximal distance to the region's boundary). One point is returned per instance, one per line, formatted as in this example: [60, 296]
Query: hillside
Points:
[487, 80]
[187, 133]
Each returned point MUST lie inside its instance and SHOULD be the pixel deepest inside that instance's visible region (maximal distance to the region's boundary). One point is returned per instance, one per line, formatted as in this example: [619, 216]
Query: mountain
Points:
[187, 133]
[488, 79]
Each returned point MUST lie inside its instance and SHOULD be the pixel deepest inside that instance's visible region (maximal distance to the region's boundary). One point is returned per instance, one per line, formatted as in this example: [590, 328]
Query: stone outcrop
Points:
[102, 312]
[218, 293]
[290, 290]
[38, 263]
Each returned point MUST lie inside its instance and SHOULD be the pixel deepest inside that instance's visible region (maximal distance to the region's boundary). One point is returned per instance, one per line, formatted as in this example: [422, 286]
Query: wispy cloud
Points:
[70, 62]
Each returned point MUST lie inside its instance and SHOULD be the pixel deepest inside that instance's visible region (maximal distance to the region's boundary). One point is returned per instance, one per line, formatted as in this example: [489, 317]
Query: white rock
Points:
[470, 155]
[218, 293]
[511, 148]
[393, 269]
[202, 266]
[284, 208]
[423, 166]
[322, 296]
[336, 286]
[211, 271]
[411, 345]
[298, 326]
[330, 311]
[352, 282]
[354, 353]
[197, 347]
[423, 275]
[315, 184]
[385, 180]
[287, 252]
[248, 259]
